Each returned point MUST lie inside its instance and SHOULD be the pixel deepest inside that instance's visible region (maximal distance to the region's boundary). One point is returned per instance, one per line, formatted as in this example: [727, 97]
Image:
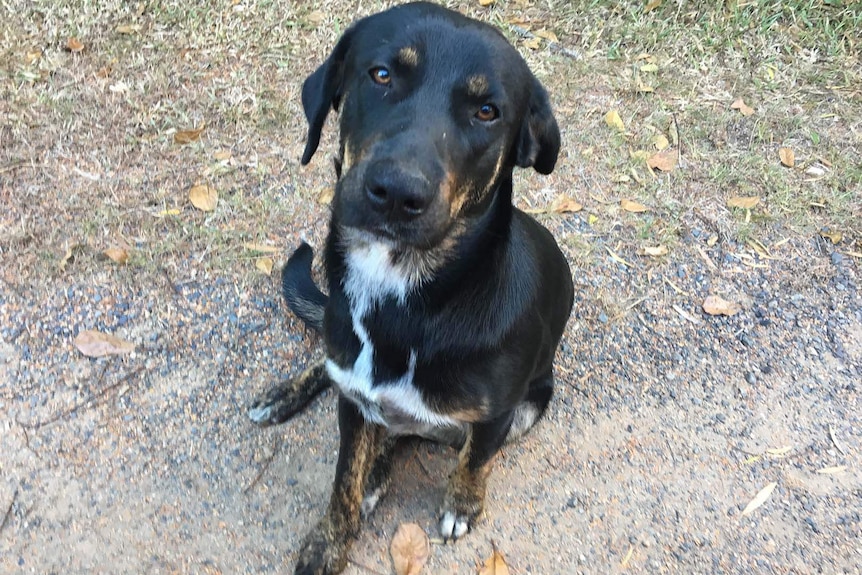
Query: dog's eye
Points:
[487, 113]
[380, 75]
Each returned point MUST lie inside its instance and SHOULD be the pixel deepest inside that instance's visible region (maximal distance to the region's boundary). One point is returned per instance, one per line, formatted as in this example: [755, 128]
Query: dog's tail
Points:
[303, 296]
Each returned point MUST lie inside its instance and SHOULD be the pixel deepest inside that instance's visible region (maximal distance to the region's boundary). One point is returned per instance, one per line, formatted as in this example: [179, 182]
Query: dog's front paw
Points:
[462, 506]
[289, 397]
[320, 554]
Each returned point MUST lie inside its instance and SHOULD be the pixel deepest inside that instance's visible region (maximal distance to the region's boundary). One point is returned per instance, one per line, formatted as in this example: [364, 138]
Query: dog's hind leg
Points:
[532, 408]
[289, 397]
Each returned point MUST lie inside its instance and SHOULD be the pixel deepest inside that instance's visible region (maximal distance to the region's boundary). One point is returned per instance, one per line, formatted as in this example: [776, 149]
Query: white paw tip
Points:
[260, 414]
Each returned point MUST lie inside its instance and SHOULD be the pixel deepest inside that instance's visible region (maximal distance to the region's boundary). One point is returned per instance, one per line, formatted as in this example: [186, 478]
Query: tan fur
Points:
[477, 85]
[408, 56]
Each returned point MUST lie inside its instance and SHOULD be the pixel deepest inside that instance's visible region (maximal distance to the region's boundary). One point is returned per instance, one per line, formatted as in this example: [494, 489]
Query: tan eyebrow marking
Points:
[477, 85]
[408, 56]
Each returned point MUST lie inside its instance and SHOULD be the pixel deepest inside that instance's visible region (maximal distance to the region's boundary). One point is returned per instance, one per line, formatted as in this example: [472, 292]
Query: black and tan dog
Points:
[446, 304]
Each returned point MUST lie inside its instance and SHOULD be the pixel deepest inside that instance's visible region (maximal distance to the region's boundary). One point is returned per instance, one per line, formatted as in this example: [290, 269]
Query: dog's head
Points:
[436, 110]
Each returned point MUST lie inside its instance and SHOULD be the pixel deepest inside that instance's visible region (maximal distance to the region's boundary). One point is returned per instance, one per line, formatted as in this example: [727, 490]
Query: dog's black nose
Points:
[397, 194]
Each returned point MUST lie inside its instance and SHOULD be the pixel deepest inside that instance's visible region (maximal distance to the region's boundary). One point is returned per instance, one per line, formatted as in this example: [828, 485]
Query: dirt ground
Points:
[667, 421]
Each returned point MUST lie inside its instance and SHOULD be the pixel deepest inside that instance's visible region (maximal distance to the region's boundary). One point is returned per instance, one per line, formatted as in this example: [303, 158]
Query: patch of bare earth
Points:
[667, 422]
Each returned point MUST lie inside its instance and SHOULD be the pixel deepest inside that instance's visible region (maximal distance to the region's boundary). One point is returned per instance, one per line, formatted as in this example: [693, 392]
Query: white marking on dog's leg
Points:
[260, 414]
[525, 417]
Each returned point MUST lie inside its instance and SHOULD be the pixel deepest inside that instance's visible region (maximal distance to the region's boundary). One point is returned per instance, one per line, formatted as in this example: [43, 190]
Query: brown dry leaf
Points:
[664, 161]
[833, 237]
[97, 344]
[639, 155]
[759, 499]
[222, 155]
[649, 68]
[652, 5]
[32, 56]
[613, 120]
[325, 195]
[128, 28]
[316, 16]
[644, 88]
[168, 212]
[486, 2]
[547, 35]
[746, 202]
[204, 197]
[655, 251]
[188, 136]
[633, 207]
[533, 43]
[117, 255]
[409, 549]
[743, 108]
[495, 565]
[261, 248]
[715, 305]
[712, 240]
[264, 264]
[565, 205]
[74, 45]
[787, 157]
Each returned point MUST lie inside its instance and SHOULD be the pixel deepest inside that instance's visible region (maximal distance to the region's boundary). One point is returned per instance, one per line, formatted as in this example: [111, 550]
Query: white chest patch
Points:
[397, 404]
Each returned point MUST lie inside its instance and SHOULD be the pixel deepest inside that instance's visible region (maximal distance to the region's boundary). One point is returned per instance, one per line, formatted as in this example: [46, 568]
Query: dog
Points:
[446, 304]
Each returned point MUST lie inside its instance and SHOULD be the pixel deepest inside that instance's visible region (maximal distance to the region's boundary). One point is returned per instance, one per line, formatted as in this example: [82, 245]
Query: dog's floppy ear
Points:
[322, 90]
[539, 140]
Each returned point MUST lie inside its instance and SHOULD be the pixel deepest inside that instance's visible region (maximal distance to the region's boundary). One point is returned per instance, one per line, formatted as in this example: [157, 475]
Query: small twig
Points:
[419, 461]
[262, 470]
[87, 402]
[8, 510]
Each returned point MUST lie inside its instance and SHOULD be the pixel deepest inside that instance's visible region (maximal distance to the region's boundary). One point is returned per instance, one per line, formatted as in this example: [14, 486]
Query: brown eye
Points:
[380, 75]
[487, 113]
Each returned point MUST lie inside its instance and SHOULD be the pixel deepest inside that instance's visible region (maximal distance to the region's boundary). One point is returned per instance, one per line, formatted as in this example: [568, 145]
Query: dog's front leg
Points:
[465, 494]
[325, 549]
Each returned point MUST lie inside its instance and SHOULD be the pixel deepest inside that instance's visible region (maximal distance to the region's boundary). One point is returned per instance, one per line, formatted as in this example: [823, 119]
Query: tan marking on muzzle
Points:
[408, 56]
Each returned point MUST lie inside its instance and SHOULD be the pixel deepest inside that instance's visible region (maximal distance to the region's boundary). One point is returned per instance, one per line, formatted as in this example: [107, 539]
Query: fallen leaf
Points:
[759, 499]
[222, 155]
[409, 549]
[486, 2]
[533, 43]
[117, 255]
[660, 142]
[652, 5]
[832, 470]
[613, 120]
[128, 28]
[621, 178]
[547, 35]
[204, 197]
[649, 68]
[565, 205]
[644, 88]
[743, 108]
[655, 251]
[264, 264]
[833, 237]
[639, 155]
[592, 219]
[188, 136]
[633, 207]
[261, 248]
[316, 16]
[715, 305]
[74, 45]
[495, 565]
[712, 240]
[168, 212]
[746, 202]
[32, 56]
[325, 195]
[779, 451]
[787, 157]
[664, 161]
[97, 344]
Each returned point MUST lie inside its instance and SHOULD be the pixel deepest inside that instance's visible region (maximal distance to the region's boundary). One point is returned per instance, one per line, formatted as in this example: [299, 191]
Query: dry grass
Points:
[88, 157]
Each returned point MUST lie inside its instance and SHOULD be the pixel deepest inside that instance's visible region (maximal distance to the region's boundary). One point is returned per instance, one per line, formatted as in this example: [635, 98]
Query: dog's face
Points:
[436, 110]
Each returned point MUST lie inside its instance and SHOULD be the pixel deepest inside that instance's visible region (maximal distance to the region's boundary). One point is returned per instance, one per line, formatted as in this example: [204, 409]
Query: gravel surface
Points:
[666, 423]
